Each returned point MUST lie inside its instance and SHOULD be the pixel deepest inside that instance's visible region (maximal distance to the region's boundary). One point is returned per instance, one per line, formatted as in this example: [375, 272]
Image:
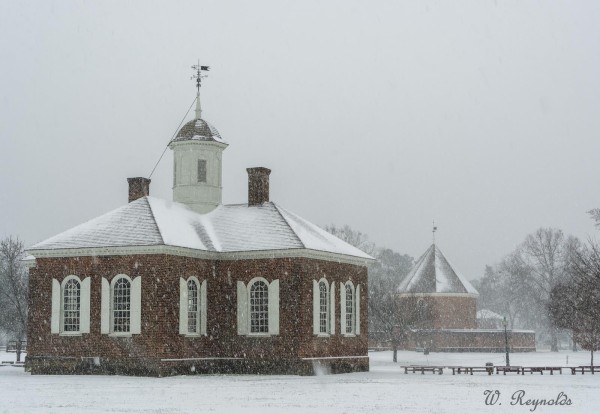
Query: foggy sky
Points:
[385, 115]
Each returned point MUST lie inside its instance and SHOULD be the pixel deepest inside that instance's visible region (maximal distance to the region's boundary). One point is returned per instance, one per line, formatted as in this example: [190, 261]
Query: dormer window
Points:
[201, 171]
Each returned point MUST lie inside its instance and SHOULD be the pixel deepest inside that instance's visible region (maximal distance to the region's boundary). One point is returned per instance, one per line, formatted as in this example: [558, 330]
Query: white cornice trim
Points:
[336, 357]
[200, 359]
[200, 254]
[204, 143]
[439, 295]
[29, 263]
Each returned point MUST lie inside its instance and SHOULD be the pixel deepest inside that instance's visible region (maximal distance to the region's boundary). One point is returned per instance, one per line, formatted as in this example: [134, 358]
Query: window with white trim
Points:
[121, 306]
[70, 306]
[192, 306]
[323, 307]
[258, 307]
[349, 309]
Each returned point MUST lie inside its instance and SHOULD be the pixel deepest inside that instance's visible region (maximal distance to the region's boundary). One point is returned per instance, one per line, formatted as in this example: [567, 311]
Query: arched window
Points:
[193, 306]
[259, 307]
[71, 306]
[121, 305]
[323, 308]
[349, 309]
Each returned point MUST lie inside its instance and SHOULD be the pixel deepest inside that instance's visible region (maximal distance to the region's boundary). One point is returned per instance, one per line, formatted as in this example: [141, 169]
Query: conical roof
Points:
[432, 273]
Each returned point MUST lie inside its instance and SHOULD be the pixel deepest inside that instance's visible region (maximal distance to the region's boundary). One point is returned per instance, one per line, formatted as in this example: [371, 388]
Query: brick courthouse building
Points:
[161, 288]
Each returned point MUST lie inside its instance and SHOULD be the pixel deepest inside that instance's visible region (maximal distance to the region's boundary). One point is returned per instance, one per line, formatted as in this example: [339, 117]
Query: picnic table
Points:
[505, 369]
[423, 368]
[470, 370]
[585, 368]
[541, 370]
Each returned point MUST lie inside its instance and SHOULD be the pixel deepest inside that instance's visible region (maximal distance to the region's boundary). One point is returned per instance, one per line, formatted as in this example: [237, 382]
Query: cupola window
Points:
[201, 171]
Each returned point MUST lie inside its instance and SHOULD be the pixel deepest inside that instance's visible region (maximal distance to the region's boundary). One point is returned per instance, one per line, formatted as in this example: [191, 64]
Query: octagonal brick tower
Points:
[448, 299]
[197, 164]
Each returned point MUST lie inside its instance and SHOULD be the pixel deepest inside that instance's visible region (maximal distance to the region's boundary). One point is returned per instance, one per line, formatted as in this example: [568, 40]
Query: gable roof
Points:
[432, 273]
[151, 221]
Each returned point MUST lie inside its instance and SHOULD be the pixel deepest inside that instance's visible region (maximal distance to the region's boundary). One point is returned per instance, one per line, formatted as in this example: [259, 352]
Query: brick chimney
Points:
[258, 185]
[138, 188]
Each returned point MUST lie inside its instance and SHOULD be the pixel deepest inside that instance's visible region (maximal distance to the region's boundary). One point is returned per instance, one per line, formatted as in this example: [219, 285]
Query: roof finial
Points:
[199, 76]
[433, 231]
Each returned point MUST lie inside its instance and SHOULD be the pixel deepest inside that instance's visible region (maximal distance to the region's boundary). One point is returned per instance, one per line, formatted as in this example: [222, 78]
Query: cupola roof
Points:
[198, 130]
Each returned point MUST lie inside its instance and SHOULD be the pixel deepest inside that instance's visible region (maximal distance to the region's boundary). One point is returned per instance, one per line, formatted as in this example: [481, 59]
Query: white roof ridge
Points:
[288, 224]
[154, 218]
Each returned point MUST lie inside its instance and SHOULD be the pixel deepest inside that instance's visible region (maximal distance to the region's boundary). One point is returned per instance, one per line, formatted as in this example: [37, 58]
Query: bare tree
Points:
[389, 318]
[500, 291]
[536, 267]
[595, 213]
[352, 237]
[574, 303]
[13, 291]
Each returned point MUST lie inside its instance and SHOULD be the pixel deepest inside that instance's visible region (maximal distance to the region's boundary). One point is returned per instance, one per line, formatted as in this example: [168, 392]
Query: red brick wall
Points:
[450, 312]
[160, 308]
[471, 340]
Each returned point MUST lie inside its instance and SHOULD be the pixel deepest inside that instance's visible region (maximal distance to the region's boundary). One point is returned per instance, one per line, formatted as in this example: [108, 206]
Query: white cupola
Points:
[197, 164]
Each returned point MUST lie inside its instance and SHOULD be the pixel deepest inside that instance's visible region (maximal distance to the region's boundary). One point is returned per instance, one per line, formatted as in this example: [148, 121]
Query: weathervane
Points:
[433, 231]
[199, 76]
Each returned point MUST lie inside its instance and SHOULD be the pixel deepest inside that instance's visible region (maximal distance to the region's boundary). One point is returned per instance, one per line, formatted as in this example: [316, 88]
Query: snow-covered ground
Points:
[385, 389]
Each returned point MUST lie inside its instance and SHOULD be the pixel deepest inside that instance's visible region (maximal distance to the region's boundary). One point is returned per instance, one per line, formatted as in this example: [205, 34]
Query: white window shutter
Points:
[342, 308]
[183, 307]
[332, 309]
[55, 311]
[242, 309]
[274, 307]
[105, 307]
[316, 307]
[203, 308]
[136, 305]
[357, 308]
[84, 307]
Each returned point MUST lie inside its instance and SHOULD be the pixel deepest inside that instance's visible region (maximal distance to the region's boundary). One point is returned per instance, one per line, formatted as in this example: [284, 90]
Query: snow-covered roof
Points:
[432, 273]
[151, 221]
[198, 130]
[488, 314]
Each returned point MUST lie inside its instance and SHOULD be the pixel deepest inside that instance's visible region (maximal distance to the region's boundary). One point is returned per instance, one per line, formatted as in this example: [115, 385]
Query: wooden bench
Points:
[508, 369]
[552, 369]
[531, 370]
[423, 368]
[585, 368]
[470, 370]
